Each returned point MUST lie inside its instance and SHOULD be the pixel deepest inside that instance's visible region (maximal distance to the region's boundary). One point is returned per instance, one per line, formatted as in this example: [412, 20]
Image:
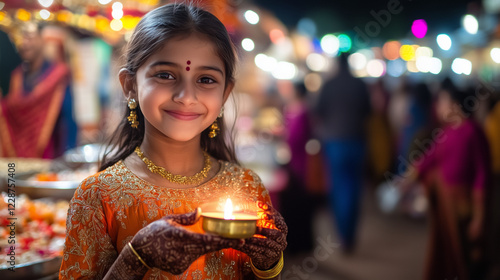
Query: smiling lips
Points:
[185, 116]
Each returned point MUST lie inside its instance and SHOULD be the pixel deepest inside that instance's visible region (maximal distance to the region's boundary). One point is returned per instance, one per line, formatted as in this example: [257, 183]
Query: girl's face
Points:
[181, 88]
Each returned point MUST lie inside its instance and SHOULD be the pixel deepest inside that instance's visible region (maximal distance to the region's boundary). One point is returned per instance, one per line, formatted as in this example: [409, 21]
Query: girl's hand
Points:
[265, 252]
[166, 245]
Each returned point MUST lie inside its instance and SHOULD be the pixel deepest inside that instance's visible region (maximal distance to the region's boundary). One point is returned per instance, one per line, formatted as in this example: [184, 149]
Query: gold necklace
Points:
[178, 179]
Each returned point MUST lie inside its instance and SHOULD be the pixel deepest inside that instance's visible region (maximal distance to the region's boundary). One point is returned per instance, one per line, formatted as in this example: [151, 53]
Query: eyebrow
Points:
[169, 63]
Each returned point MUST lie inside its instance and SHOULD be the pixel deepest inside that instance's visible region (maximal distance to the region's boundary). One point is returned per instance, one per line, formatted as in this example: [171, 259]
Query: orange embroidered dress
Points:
[110, 207]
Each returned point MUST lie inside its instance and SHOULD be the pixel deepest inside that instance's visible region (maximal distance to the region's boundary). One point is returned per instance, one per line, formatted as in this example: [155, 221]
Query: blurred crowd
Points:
[426, 147]
[434, 146]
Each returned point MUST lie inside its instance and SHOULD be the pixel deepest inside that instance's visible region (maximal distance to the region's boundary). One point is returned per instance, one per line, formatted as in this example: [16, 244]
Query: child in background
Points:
[137, 218]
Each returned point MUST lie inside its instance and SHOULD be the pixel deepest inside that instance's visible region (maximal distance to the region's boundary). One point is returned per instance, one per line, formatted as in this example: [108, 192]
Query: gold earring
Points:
[215, 125]
[214, 129]
[132, 118]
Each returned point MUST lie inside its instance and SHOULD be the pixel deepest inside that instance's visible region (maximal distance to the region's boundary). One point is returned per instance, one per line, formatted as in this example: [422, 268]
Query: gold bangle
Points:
[270, 273]
[137, 255]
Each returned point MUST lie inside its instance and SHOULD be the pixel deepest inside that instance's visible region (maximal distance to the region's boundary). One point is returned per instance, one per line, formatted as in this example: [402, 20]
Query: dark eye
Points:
[206, 80]
[164, 76]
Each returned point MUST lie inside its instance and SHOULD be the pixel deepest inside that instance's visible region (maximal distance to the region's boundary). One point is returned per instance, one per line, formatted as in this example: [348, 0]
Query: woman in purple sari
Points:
[455, 170]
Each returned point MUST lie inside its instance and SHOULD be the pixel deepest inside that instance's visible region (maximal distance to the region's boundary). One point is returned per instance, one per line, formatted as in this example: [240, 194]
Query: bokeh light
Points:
[117, 6]
[276, 35]
[117, 13]
[46, 3]
[461, 66]
[265, 62]
[248, 44]
[313, 82]
[116, 25]
[104, 2]
[495, 54]
[396, 68]
[407, 52]
[423, 51]
[443, 41]
[44, 14]
[345, 43]
[470, 24]
[330, 44]
[316, 62]
[436, 65]
[390, 50]
[23, 15]
[284, 71]
[357, 61]
[419, 28]
[251, 17]
[375, 68]
[306, 26]
[412, 66]
[313, 147]
[423, 64]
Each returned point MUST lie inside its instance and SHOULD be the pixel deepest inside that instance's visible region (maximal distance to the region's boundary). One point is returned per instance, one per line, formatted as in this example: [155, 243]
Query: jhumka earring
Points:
[132, 118]
[214, 128]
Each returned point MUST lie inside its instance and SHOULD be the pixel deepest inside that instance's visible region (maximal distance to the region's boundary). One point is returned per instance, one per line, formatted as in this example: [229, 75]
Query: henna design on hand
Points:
[265, 251]
[167, 245]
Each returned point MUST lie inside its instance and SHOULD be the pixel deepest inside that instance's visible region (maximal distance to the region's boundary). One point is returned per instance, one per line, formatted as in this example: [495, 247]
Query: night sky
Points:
[345, 15]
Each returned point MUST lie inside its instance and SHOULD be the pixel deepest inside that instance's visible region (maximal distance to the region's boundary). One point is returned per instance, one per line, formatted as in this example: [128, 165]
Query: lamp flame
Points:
[228, 210]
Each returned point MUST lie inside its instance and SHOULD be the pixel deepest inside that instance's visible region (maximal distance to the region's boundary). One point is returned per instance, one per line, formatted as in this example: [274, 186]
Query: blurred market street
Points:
[390, 247]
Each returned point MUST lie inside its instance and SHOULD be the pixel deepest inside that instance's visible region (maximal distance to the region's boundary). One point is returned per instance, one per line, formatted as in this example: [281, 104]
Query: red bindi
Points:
[188, 63]
[187, 68]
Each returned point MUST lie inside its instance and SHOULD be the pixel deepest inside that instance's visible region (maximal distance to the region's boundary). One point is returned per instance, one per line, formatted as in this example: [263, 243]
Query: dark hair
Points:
[458, 96]
[422, 95]
[153, 30]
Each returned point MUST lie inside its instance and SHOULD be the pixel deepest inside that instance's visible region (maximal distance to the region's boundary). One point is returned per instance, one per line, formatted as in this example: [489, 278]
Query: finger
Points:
[186, 219]
[273, 234]
[210, 243]
[265, 243]
[220, 243]
[256, 251]
[272, 214]
[279, 222]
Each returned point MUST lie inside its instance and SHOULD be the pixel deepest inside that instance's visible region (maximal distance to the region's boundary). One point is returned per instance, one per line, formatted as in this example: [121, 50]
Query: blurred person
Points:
[343, 107]
[492, 130]
[36, 116]
[380, 136]
[455, 170]
[298, 132]
[418, 121]
[9, 60]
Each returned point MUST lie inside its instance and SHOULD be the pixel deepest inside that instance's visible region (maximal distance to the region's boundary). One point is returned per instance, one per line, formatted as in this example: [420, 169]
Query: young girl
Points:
[138, 217]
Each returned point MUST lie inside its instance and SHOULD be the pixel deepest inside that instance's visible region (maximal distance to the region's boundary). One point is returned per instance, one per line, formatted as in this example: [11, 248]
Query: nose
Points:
[185, 94]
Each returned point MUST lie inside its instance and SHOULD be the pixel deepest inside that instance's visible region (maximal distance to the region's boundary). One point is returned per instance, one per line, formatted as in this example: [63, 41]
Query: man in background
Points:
[342, 109]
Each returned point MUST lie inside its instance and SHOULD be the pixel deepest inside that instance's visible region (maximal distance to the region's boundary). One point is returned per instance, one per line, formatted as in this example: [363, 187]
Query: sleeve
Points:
[88, 250]
[255, 188]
